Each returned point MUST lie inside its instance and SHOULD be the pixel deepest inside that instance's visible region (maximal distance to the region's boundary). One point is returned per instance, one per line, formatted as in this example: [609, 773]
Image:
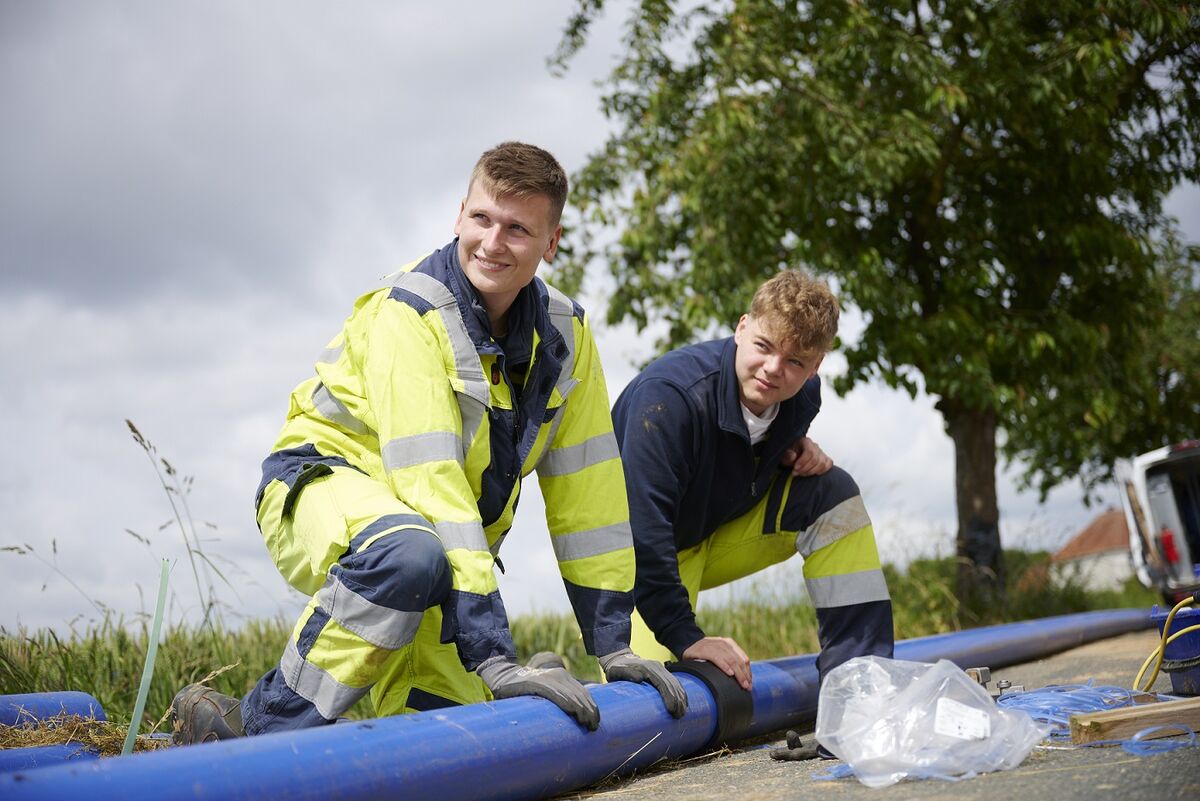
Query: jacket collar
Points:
[729, 402]
[529, 313]
[523, 318]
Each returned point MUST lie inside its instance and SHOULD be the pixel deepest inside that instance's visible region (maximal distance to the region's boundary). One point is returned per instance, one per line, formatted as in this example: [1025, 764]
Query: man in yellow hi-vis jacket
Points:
[396, 475]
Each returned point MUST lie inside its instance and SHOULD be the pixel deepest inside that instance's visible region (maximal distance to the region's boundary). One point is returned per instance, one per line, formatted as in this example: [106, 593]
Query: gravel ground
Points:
[749, 774]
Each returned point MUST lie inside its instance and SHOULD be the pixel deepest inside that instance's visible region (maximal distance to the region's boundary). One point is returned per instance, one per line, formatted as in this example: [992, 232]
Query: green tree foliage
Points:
[983, 180]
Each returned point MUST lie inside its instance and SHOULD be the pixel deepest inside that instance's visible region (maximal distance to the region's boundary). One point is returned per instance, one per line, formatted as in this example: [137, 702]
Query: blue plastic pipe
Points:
[16, 710]
[40, 756]
[512, 749]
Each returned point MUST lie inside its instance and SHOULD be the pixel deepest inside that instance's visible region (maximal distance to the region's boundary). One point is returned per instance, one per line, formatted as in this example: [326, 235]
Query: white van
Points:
[1161, 496]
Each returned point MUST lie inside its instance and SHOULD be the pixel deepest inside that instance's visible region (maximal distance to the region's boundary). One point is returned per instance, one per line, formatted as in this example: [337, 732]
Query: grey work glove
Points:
[506, 679]
[623, 665]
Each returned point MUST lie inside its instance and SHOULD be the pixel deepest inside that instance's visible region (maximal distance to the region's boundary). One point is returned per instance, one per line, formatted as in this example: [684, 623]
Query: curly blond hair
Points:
[798, 309]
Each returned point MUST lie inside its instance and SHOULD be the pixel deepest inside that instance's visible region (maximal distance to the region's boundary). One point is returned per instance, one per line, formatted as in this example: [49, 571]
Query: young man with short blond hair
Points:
[723, 481]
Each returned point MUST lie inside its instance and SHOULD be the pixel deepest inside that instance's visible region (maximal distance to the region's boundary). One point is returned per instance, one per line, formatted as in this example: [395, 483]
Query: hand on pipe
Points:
[506, 679]
[725, 654]
[623, 665]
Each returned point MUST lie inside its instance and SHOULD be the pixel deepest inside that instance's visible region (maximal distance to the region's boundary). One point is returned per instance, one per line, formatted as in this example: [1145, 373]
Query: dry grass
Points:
[101, 736]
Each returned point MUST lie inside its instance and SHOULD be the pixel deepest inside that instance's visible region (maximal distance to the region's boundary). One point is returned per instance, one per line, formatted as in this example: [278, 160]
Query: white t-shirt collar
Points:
[759, 424]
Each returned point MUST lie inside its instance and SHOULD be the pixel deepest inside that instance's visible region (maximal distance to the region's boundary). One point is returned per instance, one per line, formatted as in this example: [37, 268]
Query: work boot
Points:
[200, 714]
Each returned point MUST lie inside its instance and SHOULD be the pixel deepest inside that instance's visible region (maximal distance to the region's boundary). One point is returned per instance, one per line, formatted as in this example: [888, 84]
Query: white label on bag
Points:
[955, 719]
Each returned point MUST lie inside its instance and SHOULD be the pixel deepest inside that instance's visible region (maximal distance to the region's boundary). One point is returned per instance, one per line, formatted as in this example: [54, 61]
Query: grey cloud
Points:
[207, 147]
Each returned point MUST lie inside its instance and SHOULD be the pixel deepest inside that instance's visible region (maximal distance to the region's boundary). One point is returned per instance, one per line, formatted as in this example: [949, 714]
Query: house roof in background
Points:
[1107, 532]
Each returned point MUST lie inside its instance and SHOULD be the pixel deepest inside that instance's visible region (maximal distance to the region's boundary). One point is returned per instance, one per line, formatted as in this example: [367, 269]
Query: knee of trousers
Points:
[837, 485]
[812, 496]
[406, 570]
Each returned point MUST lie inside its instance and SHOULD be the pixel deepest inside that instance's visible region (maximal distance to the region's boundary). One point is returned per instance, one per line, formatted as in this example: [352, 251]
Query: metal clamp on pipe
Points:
[735, 706]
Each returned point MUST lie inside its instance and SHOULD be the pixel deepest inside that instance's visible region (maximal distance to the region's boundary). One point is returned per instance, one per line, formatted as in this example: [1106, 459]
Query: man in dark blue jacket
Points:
[723, 482]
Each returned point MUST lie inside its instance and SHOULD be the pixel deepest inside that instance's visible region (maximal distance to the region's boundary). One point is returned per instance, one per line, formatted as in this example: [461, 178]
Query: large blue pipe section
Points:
[16, 710]
[41, 756]
[517, 748]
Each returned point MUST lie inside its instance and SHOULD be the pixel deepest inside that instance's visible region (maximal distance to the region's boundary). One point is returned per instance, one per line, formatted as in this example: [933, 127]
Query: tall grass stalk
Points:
[26, 549]
[179, 488]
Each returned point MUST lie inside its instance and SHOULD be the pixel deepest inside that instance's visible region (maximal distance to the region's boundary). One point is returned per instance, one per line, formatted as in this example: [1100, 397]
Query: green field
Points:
[106, 660]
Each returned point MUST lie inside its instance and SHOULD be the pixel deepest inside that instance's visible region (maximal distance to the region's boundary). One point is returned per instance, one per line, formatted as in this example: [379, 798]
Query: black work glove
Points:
[506, 679]
[798, 751]
[623, 665]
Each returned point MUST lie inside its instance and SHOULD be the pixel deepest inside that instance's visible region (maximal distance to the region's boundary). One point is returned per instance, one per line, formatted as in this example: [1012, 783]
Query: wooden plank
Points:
[1140, 699]
[1119, 724]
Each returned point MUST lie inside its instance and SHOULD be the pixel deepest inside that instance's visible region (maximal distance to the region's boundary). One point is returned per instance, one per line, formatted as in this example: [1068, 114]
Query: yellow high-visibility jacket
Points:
[415, 392]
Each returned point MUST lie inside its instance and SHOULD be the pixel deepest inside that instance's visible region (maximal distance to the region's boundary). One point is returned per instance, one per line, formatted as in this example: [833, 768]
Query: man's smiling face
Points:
[501, 241]
[768, 369]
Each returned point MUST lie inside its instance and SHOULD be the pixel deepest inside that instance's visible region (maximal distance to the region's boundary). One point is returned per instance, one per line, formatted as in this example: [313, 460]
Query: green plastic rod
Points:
[148, 669]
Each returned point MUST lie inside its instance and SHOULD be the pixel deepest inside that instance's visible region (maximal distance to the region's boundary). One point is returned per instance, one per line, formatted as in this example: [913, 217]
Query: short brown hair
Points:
[515, 169]
[798, 309]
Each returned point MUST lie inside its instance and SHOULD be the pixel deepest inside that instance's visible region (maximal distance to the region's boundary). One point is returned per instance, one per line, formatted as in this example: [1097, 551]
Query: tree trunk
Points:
[981, 574]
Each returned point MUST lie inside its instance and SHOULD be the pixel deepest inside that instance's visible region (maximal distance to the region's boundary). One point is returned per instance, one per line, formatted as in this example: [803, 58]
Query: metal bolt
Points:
[980, 675]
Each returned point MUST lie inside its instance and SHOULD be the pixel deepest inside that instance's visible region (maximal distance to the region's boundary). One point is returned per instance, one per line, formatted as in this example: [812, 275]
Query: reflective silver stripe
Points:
[327, 694]
[495, 546]
[404, 527]
[462, 535]
[550, 435]
[432, 446]
[333, 410]
[593, 542]
[331, 355]
[846, 518]
[378, 625]
[562, 314]
[466, 360]
[848, 588]
[573, 458]
[472, 412]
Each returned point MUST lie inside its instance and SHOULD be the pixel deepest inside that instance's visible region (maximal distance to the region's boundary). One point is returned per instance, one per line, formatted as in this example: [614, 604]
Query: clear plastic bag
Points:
[888, 719]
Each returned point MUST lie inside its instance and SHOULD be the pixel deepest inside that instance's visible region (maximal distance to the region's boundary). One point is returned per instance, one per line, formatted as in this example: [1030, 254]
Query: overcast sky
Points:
[191, 197]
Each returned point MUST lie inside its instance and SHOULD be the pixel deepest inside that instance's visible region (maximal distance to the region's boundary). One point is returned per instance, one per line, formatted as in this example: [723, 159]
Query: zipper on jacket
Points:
[516, 451]
[513, 469]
